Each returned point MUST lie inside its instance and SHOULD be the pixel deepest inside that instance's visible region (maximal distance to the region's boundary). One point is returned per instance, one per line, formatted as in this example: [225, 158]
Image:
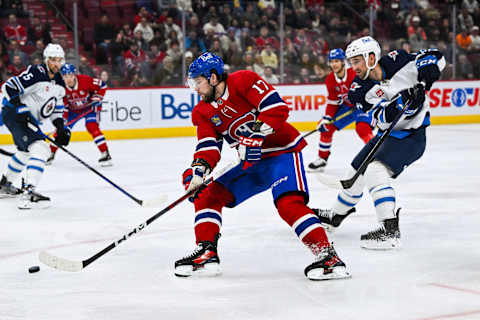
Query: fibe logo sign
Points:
[172, 109]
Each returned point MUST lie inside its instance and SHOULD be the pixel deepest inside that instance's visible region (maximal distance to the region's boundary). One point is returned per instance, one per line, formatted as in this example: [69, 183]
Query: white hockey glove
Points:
[324, 124]
[193, 177]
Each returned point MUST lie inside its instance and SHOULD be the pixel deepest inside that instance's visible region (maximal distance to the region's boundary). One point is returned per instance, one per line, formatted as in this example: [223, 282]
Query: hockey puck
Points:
[34, 269]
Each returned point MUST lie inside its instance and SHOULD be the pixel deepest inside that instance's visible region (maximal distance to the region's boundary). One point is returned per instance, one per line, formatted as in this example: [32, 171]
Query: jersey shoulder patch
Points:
[395, 60]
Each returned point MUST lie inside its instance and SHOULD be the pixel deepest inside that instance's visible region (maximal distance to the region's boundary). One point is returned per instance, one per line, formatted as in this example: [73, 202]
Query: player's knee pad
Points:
[379, 185]
[93, 129]
[39, 152]
[291, 207]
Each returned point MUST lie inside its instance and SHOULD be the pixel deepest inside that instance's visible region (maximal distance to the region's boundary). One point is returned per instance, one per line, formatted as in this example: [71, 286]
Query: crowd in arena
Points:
[147, 47]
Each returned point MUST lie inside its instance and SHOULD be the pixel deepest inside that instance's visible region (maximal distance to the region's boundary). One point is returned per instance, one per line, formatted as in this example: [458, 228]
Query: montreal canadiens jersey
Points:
[400, 70]
[247, 97]
[42, 96]
[337, 89]
[86, 91]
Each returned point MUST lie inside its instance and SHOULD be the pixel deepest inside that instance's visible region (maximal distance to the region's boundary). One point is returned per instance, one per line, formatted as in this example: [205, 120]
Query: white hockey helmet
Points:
[53, 51]
[364, 46]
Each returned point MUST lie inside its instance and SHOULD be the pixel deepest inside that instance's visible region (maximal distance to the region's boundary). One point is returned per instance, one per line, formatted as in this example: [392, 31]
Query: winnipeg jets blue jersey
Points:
[39, 94]
[400, 71]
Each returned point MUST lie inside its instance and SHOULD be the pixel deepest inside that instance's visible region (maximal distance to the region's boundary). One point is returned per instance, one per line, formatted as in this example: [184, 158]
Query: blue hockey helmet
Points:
[68, 68]
[336, 54]
[203, 66]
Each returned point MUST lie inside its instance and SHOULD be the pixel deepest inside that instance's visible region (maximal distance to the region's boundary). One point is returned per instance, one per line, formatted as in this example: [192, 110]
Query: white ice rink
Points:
[436, 275]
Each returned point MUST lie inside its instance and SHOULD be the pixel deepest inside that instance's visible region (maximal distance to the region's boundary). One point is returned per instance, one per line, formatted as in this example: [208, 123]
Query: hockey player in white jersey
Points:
[29, 98]
[382, 86]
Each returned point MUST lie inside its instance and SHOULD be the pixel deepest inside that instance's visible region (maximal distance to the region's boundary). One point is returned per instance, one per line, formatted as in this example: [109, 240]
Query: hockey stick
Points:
[75, 119]
[348, 183]
[75, 266]
[148, 203]
[349, 112]
[6, 153]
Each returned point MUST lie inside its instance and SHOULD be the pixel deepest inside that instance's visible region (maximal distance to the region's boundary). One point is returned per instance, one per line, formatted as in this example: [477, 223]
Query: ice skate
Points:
[204, 261]
[7, 189]
[330, 220]
[384, 238]
[105, 160]
[327, 266]
[33, 200]
[317, 165]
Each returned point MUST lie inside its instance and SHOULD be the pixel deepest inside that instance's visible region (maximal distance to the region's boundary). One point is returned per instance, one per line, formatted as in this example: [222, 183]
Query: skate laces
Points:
[200, 247]
[324, 213]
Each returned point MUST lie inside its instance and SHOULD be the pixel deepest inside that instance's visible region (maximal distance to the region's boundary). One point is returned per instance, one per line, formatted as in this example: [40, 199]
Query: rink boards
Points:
[132, 113]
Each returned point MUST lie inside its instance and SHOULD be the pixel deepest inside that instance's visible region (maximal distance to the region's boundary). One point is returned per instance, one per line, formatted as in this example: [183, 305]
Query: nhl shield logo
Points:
[216, 120]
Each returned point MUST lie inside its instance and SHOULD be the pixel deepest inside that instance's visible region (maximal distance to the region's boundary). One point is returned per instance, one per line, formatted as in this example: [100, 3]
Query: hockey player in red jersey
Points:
[248, 113]
[83, 99]
[338, 82]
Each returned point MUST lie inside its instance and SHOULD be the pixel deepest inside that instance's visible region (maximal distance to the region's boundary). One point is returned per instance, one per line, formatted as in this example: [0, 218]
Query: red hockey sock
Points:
[364, 131]
[325, 144]
[208, 211]
[97, 135]
[300, 217]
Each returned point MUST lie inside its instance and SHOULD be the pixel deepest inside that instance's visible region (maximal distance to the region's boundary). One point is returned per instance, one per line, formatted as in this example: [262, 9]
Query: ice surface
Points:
[436, 275]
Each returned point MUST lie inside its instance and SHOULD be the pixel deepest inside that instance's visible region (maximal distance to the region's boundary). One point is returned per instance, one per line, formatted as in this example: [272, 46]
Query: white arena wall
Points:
[132, 113]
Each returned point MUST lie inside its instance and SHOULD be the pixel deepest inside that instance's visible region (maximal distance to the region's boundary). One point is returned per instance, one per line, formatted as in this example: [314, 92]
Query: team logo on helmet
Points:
[68, 68]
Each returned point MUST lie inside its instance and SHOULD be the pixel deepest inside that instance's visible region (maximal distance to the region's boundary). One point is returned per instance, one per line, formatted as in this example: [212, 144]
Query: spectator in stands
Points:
[301, 41]
[471, 6]
[247, 42]
[16, 67]
[146, 29]
[319, 73]
[116, 49]
[188, 58]
[104, 33]
[15, 50]
[251, 14]
[464, 68]
[465, 20]
[171, 26]
[234, 56]
[84, 67]
[36, 60]
[138, 80]
[3, 71]
[213, 26]
[158, 53]
[464, 41]
[306, 61]
[4, 54]
[175, 53]
[39, 31]
[304, 75]
[169, 74]
[258, 65]
[14, 31]
[265, 38]
[269, 57]
[127, 33]
[269, 76]
[193, 24]
[12, 7]
[142, 13]
[38, 53]
[216, 49]
[398, 29]
[133, 58]
[418, 39]
[69, 51]
[475, 39]
[105, 77]
[173, 37]
[195, 44]
[138, 39]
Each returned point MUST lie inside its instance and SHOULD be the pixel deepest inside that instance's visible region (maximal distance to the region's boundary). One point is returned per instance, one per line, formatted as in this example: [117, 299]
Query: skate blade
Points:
[337, 273]
[383, 245]
[208, 270]
[318, 170]
[328, 228]
[8, 196]
[34, 205]
[108, 163]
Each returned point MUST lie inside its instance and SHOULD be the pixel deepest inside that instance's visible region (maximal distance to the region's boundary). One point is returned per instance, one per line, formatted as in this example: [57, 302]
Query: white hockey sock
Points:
[39, 152]
[16, 165]
[347, 199]
[377, 179]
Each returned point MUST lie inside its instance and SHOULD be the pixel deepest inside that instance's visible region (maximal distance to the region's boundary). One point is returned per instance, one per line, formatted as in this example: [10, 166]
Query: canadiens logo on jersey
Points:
[242, 125]
[216, 120]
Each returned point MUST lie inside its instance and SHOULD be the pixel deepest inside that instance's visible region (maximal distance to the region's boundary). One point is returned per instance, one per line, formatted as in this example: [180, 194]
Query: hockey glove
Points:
[63, 133]
[250, 144]
[193, 177]
[428, 71]
[415, 95]
[96, 102]
[325, 124]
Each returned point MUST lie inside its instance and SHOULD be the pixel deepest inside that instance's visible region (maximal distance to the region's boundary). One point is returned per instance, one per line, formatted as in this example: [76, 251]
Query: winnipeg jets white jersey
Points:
[400, 70]
[39, 94]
